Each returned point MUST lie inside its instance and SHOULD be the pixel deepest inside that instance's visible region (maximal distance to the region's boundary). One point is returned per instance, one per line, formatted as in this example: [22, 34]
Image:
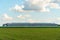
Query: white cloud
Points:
[33, 5]
[54, 5]
[21, 16]
[6, 17]
[17, 8]
[24, 16]
[45, 10]
[36, 6]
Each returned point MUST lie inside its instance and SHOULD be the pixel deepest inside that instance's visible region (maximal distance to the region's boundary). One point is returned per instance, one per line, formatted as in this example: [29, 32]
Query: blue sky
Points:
[31, 11]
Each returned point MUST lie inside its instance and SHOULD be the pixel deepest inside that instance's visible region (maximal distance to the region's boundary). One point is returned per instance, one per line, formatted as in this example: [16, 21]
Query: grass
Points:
[29, 33]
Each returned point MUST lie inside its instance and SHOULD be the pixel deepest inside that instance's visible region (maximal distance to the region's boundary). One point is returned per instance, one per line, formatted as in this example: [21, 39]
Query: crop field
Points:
[29, 33]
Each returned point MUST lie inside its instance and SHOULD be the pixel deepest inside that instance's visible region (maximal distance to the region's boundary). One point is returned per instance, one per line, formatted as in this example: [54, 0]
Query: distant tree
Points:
[5, 25]
[58, 25]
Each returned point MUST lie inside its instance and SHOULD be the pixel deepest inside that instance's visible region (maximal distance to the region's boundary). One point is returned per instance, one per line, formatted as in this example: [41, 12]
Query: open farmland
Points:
[29, 33]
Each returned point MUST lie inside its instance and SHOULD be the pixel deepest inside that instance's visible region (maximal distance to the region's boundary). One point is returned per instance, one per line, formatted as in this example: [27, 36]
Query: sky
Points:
[29, 11]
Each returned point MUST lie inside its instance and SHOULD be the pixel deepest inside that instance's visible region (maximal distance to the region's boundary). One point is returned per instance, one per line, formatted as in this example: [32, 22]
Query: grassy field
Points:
[29, 33]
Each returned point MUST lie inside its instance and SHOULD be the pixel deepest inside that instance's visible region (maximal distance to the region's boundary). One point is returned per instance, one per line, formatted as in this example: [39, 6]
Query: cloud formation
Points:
[6, 17]
[17, 8]
[23, 16]
[36, 5]
[55, 5]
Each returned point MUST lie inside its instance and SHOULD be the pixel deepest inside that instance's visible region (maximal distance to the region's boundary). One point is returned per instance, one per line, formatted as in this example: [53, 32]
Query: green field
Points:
[29, 33]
